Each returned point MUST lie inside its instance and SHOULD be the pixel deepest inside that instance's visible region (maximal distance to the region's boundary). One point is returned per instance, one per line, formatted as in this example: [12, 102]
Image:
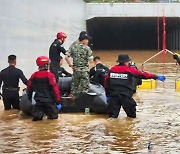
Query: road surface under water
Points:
[157, 122]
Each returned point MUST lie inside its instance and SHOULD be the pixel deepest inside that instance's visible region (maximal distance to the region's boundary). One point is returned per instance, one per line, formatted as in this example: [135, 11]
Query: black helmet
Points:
[123, 58]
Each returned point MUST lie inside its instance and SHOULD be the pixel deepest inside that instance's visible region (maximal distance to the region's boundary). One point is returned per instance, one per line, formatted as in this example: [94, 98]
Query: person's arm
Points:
[68, 60]
[89, 53]
[23, 78]
[68, 55]
[55, 87]
[106, 80]
[62, 49]
[140, 74]
[106, 84]
[146, 75]
[29, 88]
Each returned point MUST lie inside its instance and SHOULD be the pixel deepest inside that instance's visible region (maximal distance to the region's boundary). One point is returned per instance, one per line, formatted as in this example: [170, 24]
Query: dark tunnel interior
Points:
[127, 32]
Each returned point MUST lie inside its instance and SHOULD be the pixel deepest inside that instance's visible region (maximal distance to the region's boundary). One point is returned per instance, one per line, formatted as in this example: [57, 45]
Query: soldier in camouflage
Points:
[81, 53]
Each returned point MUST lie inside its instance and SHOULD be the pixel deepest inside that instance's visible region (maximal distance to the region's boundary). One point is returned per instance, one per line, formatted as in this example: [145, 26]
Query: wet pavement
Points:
[157, 125]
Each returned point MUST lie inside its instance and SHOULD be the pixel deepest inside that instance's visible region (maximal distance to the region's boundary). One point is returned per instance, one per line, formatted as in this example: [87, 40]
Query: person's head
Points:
[43, 63]
[84, 37]
[132, 64]
[124, 59]
[97, 60]
[12, 59]
[60, 61]
[61, 36]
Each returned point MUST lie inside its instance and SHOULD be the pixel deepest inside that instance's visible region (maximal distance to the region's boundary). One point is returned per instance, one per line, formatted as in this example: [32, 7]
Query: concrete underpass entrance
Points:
[132, 32]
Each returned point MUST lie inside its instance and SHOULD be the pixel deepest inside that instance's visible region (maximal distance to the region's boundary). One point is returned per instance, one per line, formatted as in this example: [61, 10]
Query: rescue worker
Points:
[10, 90]
[176, 56]
[119, 86]
[61, 71]
[98, 73]
[47, 94]
[81, 53]
[55, 50]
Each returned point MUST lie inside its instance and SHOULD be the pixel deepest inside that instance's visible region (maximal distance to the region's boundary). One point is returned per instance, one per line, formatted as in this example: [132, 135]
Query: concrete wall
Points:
[28, 27]
[132, 9]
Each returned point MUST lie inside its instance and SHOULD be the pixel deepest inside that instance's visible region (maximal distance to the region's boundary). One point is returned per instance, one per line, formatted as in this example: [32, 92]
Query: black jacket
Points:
[45, 87]
[120, 80]
[54, 51]
[98, 73]
[177, 58]
[10, 77]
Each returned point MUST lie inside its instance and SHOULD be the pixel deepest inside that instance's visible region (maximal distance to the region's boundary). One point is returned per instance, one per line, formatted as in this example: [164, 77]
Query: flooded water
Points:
[157, 122]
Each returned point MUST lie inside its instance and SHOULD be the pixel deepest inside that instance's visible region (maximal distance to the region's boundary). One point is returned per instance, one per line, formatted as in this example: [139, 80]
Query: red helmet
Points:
[61, 35]
[42, 60]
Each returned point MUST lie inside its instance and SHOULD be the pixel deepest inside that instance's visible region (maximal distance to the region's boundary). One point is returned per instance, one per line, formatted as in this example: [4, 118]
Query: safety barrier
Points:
[177, 84]
[147, 84]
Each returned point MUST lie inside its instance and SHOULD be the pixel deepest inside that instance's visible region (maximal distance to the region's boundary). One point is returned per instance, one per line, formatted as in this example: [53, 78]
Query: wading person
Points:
[119, 86]
[176, 56]
[81, 53]
[55, 50]
[98, 73]
[10, 90]
[47, 94]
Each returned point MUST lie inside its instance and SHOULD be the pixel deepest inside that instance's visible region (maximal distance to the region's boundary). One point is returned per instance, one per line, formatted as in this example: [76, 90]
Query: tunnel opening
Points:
[134, 33]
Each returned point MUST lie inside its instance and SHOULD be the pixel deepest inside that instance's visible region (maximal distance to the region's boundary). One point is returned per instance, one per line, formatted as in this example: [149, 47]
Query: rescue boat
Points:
[94, 101]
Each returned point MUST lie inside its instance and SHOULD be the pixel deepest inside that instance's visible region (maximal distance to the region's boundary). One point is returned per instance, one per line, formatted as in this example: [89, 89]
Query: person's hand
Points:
[59, 106]
[161, 78]
[70, 65]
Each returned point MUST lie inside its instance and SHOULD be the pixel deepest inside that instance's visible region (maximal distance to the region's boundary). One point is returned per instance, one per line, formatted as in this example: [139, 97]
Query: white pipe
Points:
[156, 55]
[152, 57]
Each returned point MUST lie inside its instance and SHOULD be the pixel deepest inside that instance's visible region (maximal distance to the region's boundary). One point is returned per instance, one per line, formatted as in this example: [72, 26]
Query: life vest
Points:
[120, 83]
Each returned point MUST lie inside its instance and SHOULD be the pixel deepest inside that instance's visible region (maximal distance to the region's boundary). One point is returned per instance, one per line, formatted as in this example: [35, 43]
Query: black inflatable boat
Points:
[94, 100]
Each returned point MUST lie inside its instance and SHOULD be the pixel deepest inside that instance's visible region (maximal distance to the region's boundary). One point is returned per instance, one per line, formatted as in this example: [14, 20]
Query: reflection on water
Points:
[157, 121]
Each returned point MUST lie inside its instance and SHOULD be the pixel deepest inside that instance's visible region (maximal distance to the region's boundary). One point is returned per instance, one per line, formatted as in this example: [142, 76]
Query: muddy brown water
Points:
[158, 121]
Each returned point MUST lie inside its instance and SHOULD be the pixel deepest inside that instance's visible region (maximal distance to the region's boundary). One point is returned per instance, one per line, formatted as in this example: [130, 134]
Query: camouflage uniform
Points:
[81, 54]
